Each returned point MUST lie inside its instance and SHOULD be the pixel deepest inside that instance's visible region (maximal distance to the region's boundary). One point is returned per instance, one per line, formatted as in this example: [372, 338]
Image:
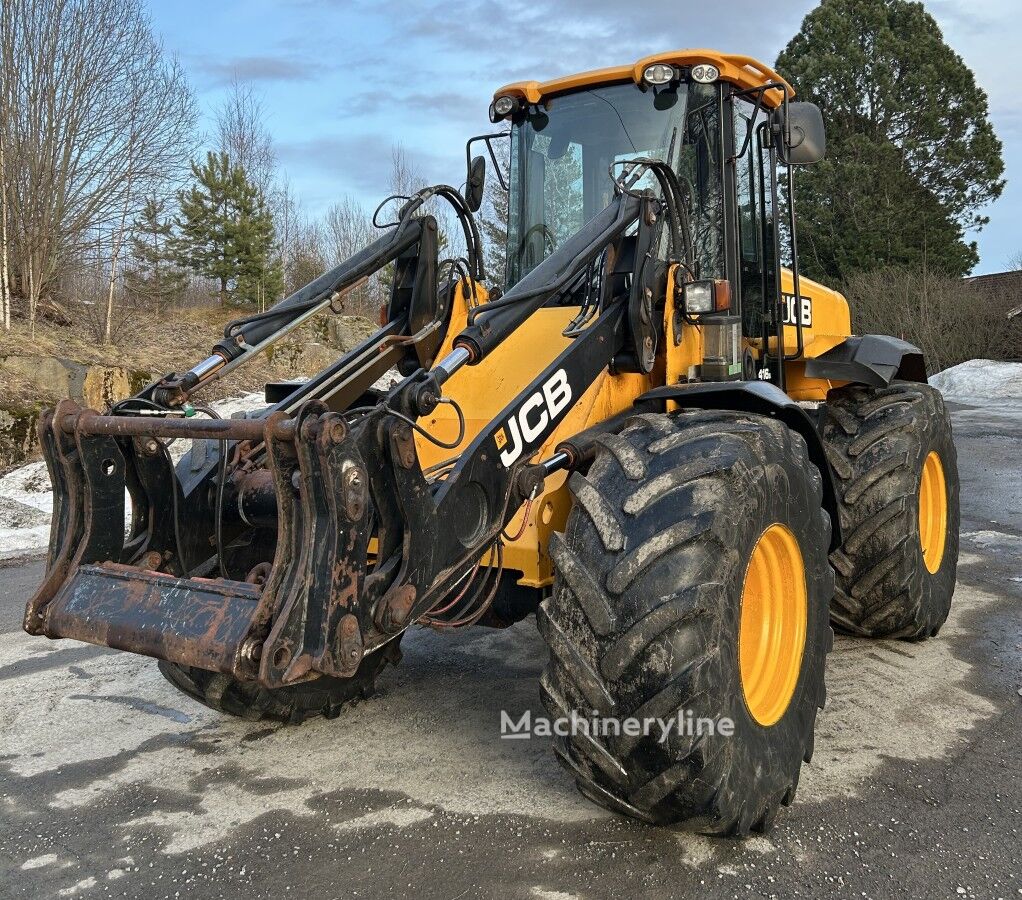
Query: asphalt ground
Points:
[114, 784]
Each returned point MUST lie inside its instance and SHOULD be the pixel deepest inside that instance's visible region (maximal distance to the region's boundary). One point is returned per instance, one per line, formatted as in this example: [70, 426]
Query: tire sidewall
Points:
[771, 755]
[935, 588]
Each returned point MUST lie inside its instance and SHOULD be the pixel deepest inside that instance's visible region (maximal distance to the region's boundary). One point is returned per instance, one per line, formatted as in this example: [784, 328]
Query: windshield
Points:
[561, 155]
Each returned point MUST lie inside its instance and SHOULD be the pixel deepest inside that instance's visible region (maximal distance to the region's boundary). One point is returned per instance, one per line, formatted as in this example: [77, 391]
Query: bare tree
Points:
[241, 133]
[299, 240]
[5, 283]
[949, 319]
[493, 221]
[405, 175]
[348, 227]
[405, 178]
[96, 118]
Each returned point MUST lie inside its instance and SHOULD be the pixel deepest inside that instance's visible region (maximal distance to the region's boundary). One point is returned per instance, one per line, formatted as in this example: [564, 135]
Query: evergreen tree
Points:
[226, 233]
[154, 275]
[911, 155]
[260, 277]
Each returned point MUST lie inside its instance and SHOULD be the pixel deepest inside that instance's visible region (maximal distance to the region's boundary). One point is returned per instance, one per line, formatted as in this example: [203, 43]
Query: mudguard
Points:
[760, 398]
[870, 359]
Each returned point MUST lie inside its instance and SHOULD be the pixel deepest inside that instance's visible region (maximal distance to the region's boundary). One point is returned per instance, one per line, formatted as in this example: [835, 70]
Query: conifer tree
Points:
[154, 275]
[227, 234]
[912, 157]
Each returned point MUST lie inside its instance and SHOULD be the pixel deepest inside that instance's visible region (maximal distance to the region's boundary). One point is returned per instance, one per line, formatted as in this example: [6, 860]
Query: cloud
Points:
[452, 105]
[363, 163]
[542, 38]
[256, 69]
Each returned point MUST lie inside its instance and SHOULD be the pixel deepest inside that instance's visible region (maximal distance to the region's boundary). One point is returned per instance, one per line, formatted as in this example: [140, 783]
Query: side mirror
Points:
[475, 183]
[803, 136]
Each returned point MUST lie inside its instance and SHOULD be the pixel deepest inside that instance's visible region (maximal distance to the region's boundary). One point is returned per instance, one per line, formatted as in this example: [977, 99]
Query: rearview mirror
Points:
[803, 136]
[475, 183]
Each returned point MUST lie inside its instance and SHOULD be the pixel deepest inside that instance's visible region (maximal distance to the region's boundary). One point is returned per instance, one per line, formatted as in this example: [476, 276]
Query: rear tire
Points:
[878, 441]
[292, 704]
[647, 609]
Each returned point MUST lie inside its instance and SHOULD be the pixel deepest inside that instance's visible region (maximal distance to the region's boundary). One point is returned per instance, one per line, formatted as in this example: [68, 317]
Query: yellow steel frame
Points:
[485, 389]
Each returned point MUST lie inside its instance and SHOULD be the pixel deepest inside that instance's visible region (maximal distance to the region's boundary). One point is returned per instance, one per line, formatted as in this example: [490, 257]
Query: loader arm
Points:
[363, 541]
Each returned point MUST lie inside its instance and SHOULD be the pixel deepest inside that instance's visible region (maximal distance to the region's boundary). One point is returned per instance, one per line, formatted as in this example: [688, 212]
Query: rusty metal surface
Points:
[66, 525]
[90, 422]
[320, 617]
[193, 622]
[328, 485]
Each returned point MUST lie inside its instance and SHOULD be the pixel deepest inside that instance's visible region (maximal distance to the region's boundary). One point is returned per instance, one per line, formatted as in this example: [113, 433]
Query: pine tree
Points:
[227, 234]
[911, 155]
[260, 278]
[154, 275]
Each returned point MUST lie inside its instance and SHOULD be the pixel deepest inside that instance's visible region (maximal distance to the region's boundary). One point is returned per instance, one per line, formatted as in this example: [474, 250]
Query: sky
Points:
[343, 81]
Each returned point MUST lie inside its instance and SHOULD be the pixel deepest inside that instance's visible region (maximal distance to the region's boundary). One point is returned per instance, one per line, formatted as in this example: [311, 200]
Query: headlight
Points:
[504, 106]
[658, 73]
[698, 296]
[704, 73]
[706, 296]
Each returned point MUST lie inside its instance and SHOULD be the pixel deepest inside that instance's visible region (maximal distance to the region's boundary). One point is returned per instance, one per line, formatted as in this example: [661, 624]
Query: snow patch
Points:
[26, 501]
[978, 381]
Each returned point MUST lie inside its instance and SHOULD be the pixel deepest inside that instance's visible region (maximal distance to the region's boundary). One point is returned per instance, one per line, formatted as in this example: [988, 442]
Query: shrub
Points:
[949, 319]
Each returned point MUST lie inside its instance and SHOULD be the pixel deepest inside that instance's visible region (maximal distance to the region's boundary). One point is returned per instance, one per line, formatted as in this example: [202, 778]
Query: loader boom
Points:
[335, 481]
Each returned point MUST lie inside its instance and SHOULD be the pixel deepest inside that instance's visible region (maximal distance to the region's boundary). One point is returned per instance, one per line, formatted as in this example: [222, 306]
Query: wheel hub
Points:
[932, 512]
[772, 632]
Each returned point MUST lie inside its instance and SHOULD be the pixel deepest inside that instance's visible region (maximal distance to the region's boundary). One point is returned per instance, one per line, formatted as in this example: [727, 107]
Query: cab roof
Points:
[742, 71]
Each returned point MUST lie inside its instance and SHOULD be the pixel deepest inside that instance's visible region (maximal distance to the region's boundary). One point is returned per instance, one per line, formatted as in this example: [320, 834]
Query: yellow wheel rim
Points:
[772, 634]
[932, 512]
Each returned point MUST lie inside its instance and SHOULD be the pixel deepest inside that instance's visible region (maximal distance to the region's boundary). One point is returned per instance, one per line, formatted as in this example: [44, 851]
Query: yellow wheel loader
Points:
[651, 434]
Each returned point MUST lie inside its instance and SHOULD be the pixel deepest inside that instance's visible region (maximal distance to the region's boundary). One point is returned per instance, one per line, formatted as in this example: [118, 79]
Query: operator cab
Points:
[565, 152]
[715, 119]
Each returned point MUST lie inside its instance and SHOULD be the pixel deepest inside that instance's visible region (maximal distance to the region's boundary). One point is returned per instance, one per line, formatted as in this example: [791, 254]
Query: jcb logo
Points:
[805, 308]
[530, 422]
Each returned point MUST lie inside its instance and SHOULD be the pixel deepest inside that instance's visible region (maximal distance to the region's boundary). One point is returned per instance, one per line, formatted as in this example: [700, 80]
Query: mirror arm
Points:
[795, 285]
[760, 93]
[487, 138]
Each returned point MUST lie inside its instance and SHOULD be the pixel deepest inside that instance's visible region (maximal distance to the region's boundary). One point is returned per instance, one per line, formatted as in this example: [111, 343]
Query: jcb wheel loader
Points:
[651, 434]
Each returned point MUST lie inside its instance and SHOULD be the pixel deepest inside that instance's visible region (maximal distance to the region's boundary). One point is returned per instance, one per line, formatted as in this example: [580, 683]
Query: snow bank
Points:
[978, 381]
[25, 506]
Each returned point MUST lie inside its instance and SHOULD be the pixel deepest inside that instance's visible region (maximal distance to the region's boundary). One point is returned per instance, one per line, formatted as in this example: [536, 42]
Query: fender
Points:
[760, 398]
[871, 359]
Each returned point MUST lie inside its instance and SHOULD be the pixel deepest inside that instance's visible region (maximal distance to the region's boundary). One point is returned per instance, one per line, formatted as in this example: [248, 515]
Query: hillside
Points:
[64, 360]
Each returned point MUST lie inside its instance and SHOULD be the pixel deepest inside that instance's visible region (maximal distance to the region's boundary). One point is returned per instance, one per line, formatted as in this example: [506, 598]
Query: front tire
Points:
[897, 479]
[652, 609]
[292, 704]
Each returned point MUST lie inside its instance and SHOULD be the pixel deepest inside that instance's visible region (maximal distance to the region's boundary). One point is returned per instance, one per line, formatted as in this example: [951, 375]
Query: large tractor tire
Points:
[692, 577]
[897, 479]
[292, 704]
